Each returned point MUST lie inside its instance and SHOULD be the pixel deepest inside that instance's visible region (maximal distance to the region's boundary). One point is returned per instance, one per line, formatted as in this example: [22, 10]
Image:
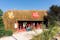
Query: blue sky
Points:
[27, 4]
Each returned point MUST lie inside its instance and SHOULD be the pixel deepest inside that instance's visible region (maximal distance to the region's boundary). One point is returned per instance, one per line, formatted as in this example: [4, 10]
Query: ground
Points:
[27, 35]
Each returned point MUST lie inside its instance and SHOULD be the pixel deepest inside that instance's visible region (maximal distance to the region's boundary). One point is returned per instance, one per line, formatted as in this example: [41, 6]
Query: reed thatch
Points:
[11, 16]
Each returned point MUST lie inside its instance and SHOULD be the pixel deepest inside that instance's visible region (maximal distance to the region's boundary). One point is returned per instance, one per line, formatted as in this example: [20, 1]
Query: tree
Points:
[1, 23]
[54, 14]
[53, 17]
[3, 32]
[1, 12]
[1, 20]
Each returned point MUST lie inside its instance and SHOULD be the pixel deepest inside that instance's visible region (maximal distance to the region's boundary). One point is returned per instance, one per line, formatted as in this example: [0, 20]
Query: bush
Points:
[8, 33]
[48, 34]
[2, 33]
[5, 33]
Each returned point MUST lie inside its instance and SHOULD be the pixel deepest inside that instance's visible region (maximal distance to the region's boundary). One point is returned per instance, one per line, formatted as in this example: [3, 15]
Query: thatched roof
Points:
[26, 15]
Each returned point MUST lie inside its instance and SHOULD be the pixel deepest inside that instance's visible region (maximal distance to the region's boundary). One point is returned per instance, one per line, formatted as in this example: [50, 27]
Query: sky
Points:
[27, 4]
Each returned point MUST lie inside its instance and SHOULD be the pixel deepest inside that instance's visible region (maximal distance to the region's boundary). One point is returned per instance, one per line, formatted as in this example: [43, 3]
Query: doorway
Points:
[29, 25]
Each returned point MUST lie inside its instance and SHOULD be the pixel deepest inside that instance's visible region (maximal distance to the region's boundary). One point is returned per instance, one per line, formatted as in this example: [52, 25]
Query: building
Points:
[22, 16]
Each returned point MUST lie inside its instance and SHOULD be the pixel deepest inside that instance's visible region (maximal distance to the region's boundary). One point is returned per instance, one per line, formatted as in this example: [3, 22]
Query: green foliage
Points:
[47, 34]
[8, 33]
[1, 23]
[53, 17]
[1, 12]
[55, 8]
[3, 32]
[54, 13]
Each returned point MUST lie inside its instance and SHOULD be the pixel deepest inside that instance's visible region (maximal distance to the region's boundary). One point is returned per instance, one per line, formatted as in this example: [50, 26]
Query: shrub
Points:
[47, 34]
[8, 33]
[2, 33]
[5, 33]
